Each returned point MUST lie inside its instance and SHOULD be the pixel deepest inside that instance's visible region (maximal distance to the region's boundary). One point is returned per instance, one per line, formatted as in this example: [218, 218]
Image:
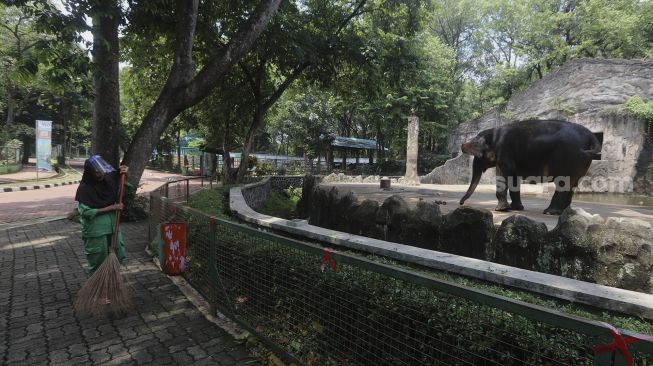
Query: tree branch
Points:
[283, 86]
[242, 41]
[356, 12]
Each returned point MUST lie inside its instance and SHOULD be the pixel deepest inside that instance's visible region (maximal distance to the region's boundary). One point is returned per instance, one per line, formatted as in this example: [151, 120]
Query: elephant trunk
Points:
[477, 170]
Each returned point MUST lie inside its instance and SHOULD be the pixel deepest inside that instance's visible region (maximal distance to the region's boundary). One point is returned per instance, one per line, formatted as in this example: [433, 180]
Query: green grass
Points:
[212, 201]
[66, 174]
[10, 168]
[622, 321]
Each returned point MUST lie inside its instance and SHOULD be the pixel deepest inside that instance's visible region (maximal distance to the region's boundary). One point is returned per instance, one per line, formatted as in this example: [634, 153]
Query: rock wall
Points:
[613, 252]
[255, 194]
[590, 92]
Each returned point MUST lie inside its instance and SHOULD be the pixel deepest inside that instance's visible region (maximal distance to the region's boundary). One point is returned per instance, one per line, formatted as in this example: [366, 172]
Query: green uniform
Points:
[97, 233]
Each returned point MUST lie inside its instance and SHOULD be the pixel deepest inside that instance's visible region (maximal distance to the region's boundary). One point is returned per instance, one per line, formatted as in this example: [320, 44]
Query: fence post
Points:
[167, 185]
[187, 189]
[213, 270]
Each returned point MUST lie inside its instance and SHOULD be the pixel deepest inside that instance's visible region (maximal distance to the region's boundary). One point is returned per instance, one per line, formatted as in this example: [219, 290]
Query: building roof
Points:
[354, 143]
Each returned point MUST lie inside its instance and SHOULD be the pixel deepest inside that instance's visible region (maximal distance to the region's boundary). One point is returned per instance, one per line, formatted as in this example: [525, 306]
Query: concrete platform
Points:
[534, 197]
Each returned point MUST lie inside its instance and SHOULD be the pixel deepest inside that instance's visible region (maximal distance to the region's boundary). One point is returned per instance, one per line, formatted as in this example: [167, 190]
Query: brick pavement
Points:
[42, 270]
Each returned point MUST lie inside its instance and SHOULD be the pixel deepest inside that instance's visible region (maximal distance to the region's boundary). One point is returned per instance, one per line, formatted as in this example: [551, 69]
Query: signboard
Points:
[43, 145]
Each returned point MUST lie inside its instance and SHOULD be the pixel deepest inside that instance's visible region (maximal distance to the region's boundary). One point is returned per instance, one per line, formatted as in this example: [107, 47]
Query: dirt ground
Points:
[534, 197]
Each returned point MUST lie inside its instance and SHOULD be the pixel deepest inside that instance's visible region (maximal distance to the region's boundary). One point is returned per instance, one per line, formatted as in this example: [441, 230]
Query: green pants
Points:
[97, 249]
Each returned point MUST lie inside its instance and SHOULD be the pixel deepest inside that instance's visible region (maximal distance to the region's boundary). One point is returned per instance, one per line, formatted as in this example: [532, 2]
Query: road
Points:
[59, 201]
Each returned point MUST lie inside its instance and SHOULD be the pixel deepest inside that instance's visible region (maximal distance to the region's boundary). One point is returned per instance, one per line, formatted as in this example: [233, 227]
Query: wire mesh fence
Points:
[327, 308]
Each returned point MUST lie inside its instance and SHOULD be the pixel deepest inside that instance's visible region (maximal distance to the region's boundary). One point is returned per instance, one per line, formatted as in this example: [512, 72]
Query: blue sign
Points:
[43, 145]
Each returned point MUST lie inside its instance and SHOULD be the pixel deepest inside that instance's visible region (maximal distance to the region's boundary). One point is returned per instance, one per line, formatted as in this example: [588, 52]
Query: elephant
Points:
[535, 151]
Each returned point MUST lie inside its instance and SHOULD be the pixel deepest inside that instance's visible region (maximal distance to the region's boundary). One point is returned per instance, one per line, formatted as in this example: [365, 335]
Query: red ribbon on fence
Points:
[326, 257]
[620, 344]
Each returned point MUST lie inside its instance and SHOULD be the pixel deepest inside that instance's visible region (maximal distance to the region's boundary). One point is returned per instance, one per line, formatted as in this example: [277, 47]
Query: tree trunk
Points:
[257, 121]
[105, 135]
[65, 116]
[227, 174]
[179, 149]
[27, 149]
[181, 90]
[10, 104]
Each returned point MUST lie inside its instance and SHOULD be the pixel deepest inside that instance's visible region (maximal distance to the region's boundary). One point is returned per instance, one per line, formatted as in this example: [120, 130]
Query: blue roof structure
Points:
[354, 143]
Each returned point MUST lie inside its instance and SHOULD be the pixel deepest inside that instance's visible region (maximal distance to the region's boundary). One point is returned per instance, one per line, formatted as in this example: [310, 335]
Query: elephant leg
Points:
[562, 196]
[502, 192]
[515, 197]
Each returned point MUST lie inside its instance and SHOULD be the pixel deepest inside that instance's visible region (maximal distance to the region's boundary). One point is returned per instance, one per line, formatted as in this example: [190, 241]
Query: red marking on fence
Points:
[326, 257]
[620, 344]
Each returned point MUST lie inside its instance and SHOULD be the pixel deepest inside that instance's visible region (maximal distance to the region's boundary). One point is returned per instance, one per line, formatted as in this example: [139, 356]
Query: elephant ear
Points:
[488, 137]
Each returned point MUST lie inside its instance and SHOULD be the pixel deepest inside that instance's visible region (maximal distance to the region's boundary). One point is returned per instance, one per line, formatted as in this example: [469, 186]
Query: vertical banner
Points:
[43, 145]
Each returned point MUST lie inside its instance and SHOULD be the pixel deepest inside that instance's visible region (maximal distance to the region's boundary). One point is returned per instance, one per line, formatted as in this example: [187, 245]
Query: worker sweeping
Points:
[100, 201]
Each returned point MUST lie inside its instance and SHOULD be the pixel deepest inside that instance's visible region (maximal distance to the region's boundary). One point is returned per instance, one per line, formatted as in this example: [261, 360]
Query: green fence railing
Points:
[317, 307]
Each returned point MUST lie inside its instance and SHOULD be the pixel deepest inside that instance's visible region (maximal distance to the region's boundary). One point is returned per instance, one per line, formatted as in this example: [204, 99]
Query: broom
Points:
[105, 291]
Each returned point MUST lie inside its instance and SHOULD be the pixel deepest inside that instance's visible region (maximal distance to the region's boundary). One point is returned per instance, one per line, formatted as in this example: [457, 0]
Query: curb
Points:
[42, 186]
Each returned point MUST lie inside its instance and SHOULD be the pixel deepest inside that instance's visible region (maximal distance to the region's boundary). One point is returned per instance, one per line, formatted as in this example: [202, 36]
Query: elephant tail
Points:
[594, 148]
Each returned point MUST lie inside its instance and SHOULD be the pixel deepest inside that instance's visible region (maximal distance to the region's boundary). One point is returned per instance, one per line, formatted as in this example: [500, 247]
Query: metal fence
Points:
[317, 307]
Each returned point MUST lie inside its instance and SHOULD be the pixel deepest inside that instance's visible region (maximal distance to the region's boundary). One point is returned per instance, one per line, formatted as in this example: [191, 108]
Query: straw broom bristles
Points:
[105, 291]
[105, 283]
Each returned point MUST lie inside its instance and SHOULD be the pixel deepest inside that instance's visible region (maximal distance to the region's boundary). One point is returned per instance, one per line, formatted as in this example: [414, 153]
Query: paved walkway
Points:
[59, 201]
[28, 173]
[42, 270]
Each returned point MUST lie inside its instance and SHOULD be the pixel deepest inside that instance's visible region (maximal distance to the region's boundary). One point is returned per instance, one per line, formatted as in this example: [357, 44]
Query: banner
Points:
[43, 145]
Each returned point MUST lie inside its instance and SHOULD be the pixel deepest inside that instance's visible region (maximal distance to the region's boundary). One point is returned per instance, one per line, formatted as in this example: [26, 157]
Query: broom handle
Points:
[114, 240]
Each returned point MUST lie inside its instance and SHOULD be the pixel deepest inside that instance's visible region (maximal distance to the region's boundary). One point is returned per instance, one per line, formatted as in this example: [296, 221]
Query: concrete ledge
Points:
[42, 186]
[604, 297]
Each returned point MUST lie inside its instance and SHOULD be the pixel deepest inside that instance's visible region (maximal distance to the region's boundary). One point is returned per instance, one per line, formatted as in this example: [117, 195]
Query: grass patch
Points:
[282, 203]
[10, 168]
[622, 321]
[212, 201]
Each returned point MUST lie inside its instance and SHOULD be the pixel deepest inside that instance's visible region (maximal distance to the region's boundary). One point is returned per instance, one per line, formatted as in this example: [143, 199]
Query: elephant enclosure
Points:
[600, 243]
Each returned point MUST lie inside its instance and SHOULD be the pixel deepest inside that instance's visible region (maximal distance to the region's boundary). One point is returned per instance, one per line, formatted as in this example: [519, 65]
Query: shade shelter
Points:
[359, 149]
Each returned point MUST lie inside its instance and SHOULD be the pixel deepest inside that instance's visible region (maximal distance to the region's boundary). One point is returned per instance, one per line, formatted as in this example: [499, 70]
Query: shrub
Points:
[282, 203]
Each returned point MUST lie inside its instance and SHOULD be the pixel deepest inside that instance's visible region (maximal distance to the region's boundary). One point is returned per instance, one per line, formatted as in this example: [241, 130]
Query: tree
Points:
[184, 88]
[105, 137]
[17, 55]
[45, 78]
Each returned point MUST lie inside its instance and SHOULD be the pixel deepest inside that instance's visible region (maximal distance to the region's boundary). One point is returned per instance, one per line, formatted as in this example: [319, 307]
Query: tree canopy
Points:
[252, 75]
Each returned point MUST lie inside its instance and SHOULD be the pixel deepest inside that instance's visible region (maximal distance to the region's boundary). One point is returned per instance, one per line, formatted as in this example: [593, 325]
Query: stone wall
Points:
[255, 194]
[613, 252]
[590, 92]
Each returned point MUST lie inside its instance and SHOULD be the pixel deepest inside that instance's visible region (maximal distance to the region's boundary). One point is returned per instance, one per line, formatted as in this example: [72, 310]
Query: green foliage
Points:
[350, 304]
[212, 201]
[136, 207]
[44, 75]
[643, 111]
[282, 203]
[639, 108]
[9, 168]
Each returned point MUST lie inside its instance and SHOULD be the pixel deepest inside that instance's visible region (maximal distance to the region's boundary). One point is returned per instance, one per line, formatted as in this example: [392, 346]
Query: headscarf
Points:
[98, 194]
